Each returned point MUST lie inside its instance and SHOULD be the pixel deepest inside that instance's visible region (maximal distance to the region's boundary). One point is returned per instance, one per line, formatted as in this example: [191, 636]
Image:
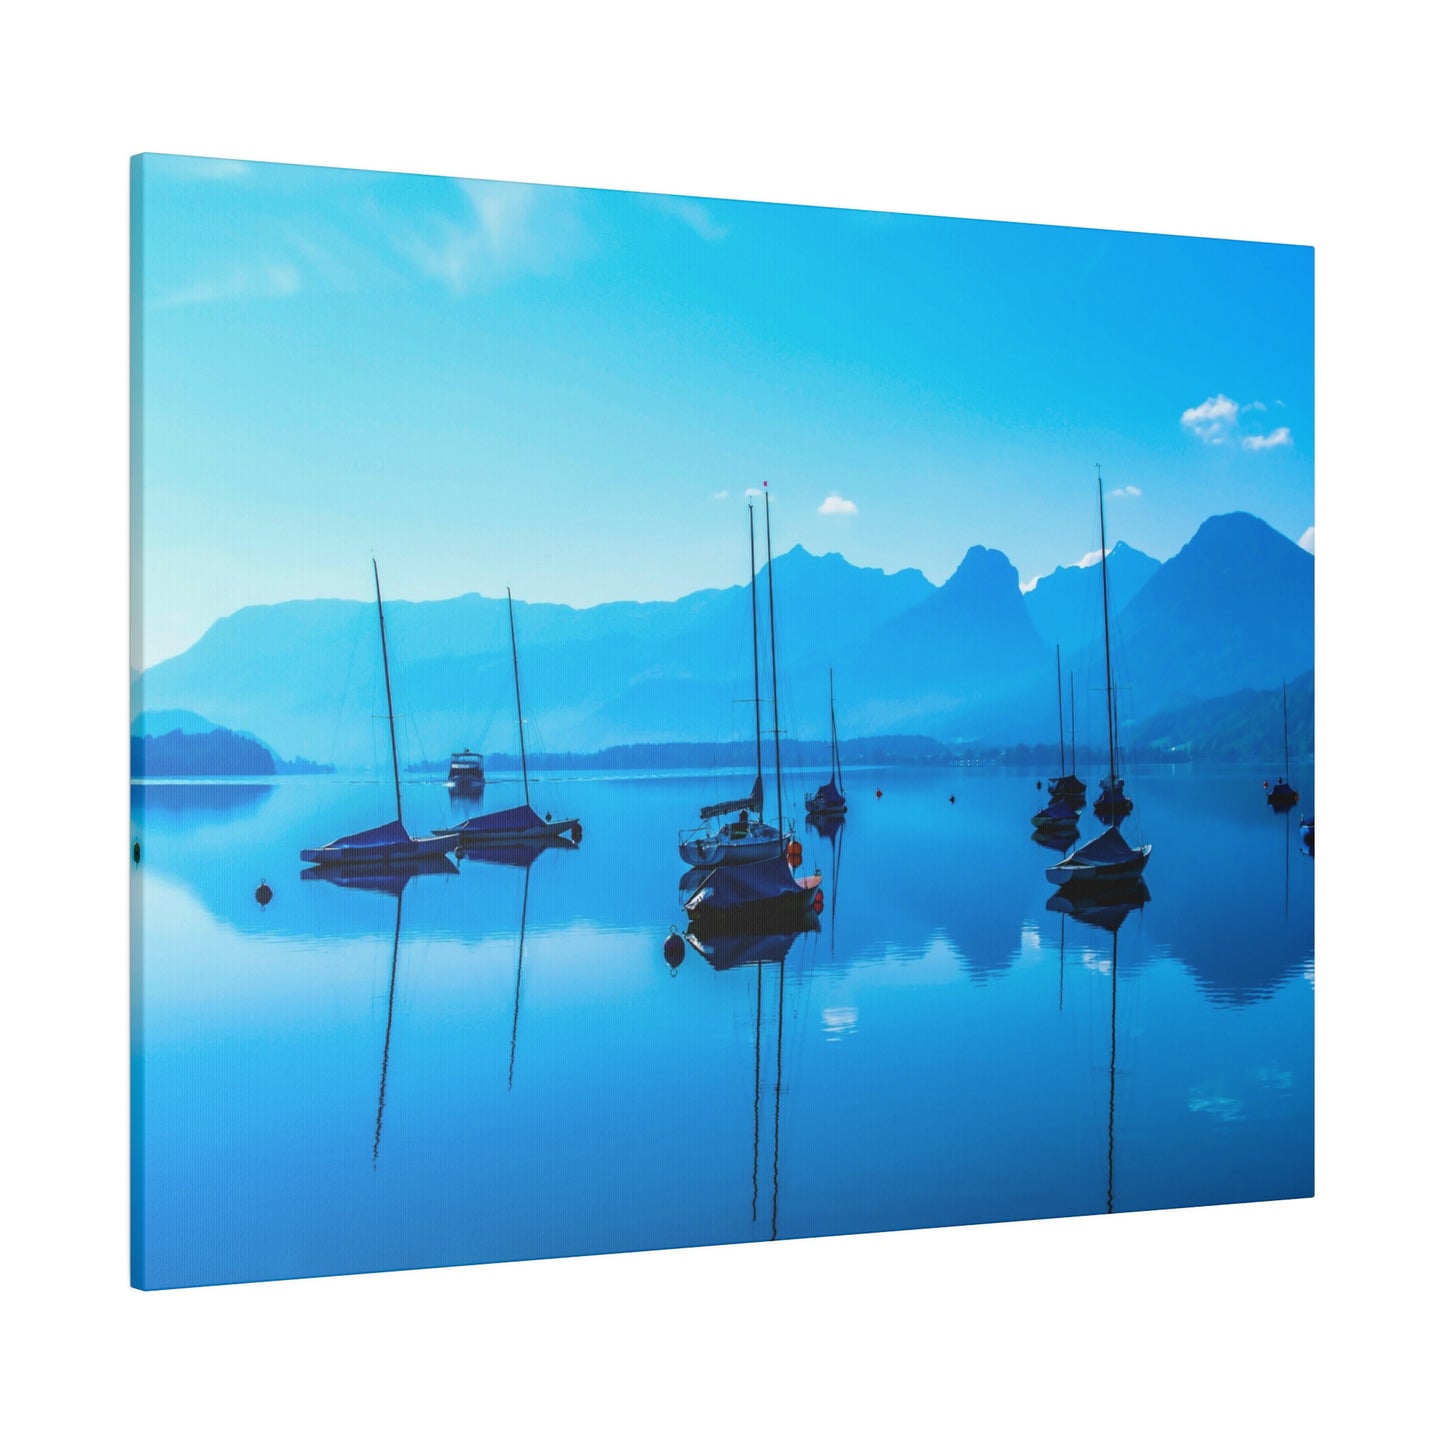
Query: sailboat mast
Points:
[1059, 676]
[757, 687]
[1108, 665]
[386, 673]
[833, 724]
[1284, 693]
[517, 684]
[1073, 751]
[773, 650]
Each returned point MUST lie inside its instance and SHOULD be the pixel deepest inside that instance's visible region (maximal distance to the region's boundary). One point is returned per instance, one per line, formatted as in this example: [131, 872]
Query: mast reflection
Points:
[725, 951]
[391, 879]
[1108, 911]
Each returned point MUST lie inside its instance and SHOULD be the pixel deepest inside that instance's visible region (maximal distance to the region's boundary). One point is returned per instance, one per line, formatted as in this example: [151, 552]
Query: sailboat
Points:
[521, 824]
[1112, 803]
[1067, 787]
[1107, 860]
[763, 895]
[1282, 797]
[748, 838]
[1062, 813]
[829, 801]
[390, 842]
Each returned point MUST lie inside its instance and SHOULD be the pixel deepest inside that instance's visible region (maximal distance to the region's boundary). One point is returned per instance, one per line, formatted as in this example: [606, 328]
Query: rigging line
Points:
[778, 1093]
[757, 1087]
[386, 1046]
[1113, 1039]
[517, 993]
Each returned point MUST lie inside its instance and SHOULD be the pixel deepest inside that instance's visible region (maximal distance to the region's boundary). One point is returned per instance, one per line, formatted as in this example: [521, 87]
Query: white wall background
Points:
[1261, 121]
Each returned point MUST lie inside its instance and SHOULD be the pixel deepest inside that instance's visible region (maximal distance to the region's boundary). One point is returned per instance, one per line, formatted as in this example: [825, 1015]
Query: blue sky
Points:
[569, 392]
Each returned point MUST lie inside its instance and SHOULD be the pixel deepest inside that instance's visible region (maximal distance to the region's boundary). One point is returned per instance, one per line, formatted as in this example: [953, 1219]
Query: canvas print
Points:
[661, 721]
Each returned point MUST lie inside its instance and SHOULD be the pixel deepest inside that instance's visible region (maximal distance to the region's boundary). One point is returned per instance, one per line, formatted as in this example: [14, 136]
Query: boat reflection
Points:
[379, 877]
[1108, 911]
[729, 950]
[390, 879]
[519, 853]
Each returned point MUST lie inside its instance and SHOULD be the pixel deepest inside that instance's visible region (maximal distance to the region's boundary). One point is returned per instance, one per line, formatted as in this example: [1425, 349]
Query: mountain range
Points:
[970, 660]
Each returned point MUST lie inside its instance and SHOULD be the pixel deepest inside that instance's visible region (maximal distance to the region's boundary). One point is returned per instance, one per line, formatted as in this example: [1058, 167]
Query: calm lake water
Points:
[946, 1048]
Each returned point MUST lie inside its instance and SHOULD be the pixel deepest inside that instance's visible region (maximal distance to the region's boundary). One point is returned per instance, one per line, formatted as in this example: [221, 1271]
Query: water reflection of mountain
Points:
[197, 803]
[1230, 905]
[904, 874]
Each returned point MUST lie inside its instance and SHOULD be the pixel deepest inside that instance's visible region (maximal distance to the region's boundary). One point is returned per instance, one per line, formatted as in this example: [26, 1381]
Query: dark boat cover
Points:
[1109, 847]
[828, 796]
[743, 885]
[1056, 815]
[753, 803]
[520, 819]
[391, 832]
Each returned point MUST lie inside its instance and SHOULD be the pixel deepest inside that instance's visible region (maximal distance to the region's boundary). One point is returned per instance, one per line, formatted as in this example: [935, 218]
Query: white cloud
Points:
[836, 506]
[719, 496]
[693, 214]
[265, 281]
[1308, 540]
[504, 229]
[1212, 420]
[1253, 406]
[1279, 437]
[1126, 492]
[753, 492]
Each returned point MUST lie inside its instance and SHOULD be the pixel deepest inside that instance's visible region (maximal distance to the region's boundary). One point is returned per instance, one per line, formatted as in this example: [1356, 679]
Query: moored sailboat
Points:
[748, 838]
[761, 895]
[1282, 797]
[523, 823]
[829, 801]
[387, 843]
[1108, 860]
[1112, 802]
[1067, 787]
[1062, 813]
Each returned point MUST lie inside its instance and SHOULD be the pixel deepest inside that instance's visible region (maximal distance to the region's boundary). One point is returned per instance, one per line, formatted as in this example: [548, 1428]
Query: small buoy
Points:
[263, 893]
[673, 949]
[135, 851]
[1038, 786]
[549, 817]
[795, 852]
[818, 901]
[950, 797]
[878, 793]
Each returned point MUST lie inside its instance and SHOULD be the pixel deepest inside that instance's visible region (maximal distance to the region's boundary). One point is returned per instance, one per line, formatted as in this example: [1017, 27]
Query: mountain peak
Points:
[984, 566]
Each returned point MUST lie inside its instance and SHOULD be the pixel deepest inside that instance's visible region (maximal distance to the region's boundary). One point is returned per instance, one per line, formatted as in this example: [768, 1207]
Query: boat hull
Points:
[349, 855]
[717, 850]
[1086, 874]
[786, 912]
[476, 839]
